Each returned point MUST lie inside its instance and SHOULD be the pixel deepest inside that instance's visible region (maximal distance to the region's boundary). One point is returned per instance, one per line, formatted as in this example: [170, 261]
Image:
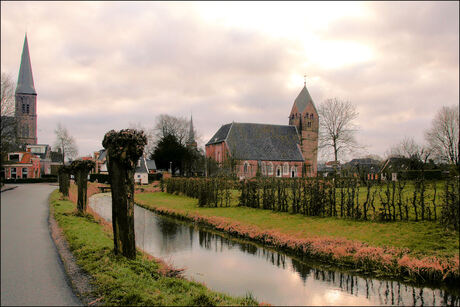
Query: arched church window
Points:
[306, 115]
[309, 124]
[311, 116]
[27, 109]
[270, 168]
[278, 171]
[286, 168]
[293, 171]
[246, 167]
[264, 168]
[23, 108]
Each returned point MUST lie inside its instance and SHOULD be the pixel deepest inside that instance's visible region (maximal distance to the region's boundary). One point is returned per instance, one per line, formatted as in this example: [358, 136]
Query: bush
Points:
[102, 178]
[417, 174]
[155, 177]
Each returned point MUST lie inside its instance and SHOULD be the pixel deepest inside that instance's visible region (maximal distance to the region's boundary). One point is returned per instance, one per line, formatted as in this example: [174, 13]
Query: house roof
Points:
[363, 161]
[102, 154]
[248, 141]
[25, 159]
[303, 99]
[56, 156]
[142, 168]
[43, 155]
[25, 78]
[151, 165]
[220, 135]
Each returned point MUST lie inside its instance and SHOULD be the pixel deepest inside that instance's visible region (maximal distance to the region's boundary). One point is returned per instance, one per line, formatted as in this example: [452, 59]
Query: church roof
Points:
[248, 141]
[25, 78]
[303, 99]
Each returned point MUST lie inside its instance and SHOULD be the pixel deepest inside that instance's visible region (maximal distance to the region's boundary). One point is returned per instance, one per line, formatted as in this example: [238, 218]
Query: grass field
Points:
[127, 282]
[421, 238]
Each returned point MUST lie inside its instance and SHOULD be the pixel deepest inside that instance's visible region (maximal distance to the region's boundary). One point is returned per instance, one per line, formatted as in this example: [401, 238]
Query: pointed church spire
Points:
[25, 78]
[191, 133]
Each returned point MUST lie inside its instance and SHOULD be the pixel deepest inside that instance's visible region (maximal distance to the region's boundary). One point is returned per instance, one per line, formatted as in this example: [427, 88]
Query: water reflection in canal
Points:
[236, 267]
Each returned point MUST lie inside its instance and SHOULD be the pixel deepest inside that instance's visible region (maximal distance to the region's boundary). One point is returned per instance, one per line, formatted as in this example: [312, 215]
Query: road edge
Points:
[79, 280]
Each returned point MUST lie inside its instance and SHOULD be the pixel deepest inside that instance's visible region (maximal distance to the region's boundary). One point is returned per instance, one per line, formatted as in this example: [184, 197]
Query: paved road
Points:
[31, 271]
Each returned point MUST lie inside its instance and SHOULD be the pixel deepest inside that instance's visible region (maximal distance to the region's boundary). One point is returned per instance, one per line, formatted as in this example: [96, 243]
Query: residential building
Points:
[21, 164]
[141, 174]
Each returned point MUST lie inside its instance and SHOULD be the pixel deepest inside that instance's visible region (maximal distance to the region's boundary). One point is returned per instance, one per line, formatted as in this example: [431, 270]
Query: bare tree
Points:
[167, 124]
[443, 136]
[8, 120]
[65, 142]
[149, 133]
[406, 148]
[409, 149]
[337, 128]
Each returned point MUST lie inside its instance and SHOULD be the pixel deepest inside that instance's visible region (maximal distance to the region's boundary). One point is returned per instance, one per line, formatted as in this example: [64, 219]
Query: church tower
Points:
[26, 100]
[305, 117]
[191, 143]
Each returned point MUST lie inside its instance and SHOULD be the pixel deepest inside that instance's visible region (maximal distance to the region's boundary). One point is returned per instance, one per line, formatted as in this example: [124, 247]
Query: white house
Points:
[141, 174]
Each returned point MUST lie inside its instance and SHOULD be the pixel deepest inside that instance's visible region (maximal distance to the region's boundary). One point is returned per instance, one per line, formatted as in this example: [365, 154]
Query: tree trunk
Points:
[82, 184]
[122, 183]
[65, 184]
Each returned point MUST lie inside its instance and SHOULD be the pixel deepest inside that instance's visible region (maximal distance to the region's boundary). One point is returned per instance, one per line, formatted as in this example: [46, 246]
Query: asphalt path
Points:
[31, 271]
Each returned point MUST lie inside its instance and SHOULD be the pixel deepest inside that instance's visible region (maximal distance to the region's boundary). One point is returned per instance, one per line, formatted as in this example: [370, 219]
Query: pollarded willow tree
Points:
[64, 180]
[337, 128]
[124, 148]
[80, 169]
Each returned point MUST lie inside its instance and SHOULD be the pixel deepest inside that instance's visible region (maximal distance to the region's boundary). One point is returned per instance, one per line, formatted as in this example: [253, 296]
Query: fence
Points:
[337, 197]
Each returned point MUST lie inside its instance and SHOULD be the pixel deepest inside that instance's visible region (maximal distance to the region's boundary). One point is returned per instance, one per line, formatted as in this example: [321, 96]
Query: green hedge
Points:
[155, 177]
[102, 178]
[428, 175]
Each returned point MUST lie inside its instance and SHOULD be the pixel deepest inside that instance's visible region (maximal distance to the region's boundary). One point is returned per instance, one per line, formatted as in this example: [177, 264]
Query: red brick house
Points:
[271, 150]
[22, 165]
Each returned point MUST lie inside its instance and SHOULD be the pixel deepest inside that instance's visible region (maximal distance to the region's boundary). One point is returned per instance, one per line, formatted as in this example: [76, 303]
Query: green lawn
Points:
[127, 282]
[422, 238]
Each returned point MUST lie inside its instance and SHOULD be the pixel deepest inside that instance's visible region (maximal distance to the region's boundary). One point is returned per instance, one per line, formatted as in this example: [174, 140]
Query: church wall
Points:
[26, 115]
[253, 165]
[217, 151]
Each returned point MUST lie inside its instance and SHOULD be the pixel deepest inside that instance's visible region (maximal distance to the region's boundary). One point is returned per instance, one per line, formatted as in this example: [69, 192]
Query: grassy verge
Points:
[415, 250]
[127, 282]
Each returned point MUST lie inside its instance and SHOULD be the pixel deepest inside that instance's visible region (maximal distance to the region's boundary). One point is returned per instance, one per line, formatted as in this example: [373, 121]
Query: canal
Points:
[237, 267]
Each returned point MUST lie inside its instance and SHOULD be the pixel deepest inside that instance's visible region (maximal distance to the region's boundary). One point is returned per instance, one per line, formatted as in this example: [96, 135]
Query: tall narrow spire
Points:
[25, 78]
[191, 133]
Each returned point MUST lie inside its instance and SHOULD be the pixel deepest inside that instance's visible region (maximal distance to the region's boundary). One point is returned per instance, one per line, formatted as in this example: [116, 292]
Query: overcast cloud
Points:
[102, 66]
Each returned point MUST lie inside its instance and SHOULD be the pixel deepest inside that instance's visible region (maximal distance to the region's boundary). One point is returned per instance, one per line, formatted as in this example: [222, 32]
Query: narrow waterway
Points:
[237, 268]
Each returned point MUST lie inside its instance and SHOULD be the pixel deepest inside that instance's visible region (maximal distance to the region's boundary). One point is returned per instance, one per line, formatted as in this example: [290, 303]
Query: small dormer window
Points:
[306, 115]
[311, 116]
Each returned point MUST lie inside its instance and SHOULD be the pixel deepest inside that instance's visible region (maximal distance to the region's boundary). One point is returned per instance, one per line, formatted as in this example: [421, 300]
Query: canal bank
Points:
[235, 266]
[387, 261]
[120, 281]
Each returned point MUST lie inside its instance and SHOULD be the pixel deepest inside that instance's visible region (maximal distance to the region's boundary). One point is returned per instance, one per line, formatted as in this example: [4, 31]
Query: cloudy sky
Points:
[108, 65]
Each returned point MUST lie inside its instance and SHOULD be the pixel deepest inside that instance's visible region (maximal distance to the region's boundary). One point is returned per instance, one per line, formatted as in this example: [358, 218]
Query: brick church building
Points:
[271, 150]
